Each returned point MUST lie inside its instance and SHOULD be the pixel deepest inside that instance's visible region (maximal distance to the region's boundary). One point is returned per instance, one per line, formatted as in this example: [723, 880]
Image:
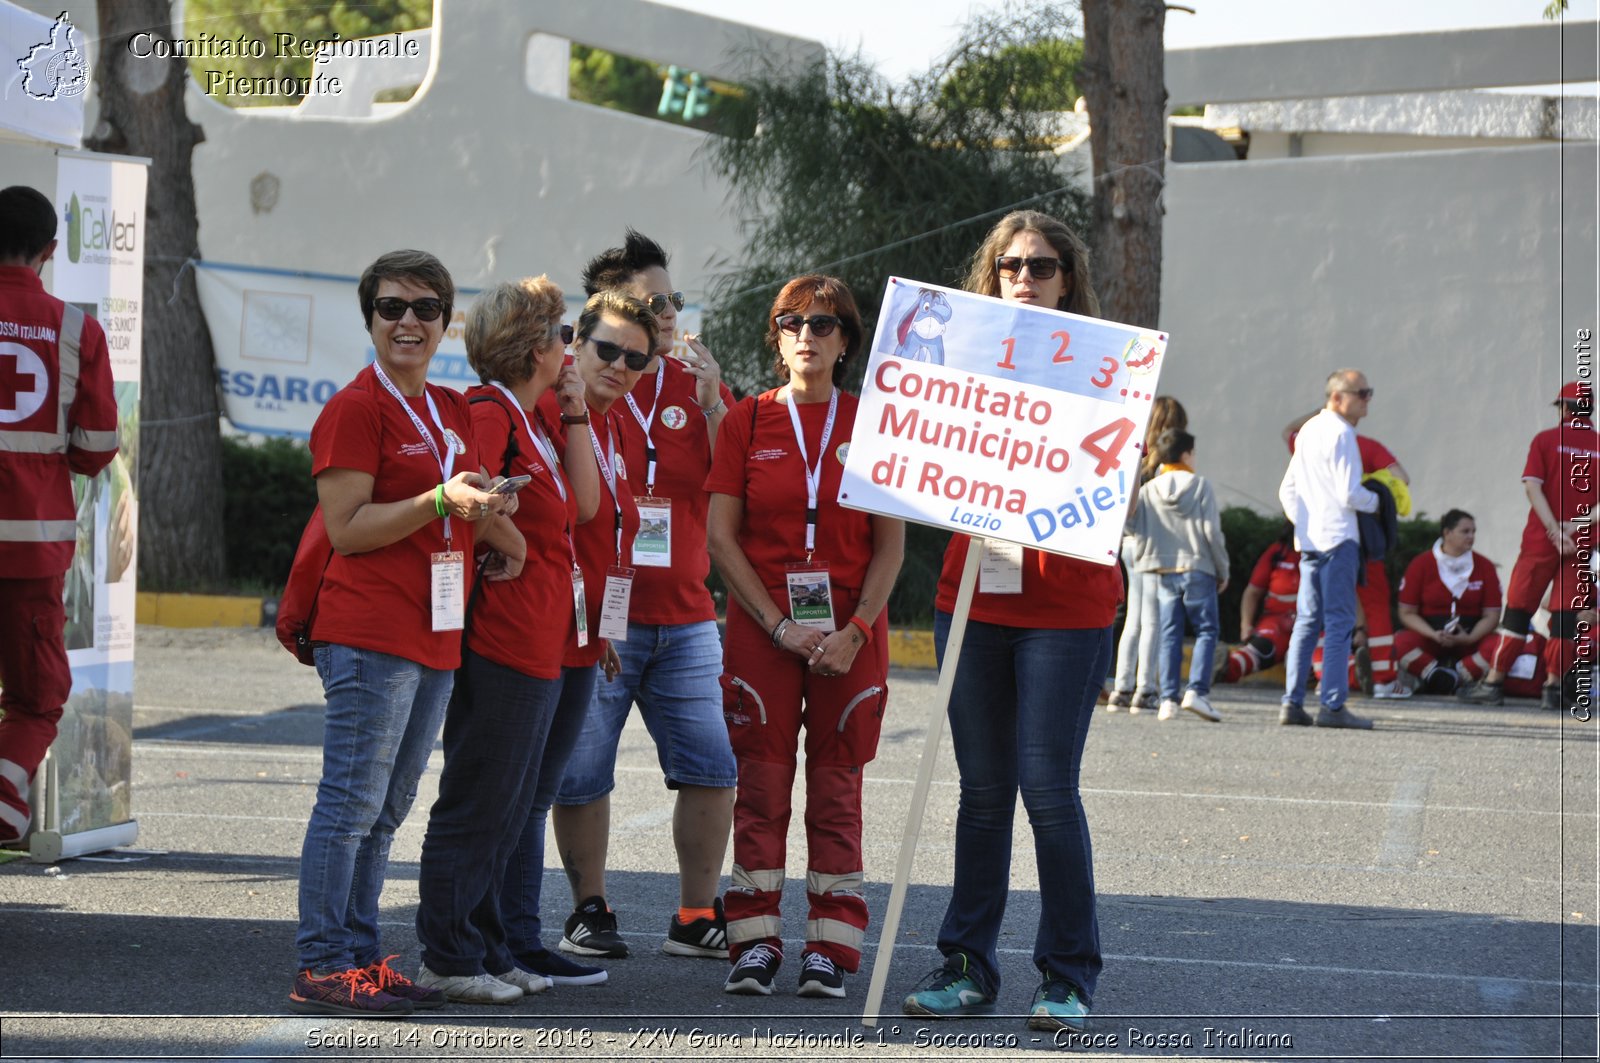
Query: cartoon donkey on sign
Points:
[921, 330]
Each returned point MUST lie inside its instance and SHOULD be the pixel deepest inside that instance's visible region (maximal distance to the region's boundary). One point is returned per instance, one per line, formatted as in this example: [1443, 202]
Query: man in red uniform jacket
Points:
[1559, 480]
[58, 416]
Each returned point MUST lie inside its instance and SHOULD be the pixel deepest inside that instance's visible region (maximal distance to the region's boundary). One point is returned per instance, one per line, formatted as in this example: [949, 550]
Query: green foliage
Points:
[835, 170]
[317, 20]
[268, 497]
[1038, 75]
[624, 83]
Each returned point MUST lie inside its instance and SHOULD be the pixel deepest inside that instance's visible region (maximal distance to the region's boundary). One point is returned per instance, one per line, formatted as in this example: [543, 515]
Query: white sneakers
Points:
[1393, 691]
[1198, 704]
[483, 988]
[1194, 702]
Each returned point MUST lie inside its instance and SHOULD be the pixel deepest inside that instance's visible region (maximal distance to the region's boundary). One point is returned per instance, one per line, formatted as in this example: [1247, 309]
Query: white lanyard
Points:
[813, 473]
[547, 449]
[446, 463]
[647, 423]
[608, 470]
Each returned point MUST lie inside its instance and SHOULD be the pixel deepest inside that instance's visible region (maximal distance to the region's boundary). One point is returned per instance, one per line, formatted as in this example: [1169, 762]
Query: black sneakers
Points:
[592, 931]
[754, 972]
[560, 970]
[702, 937]
[819, 977]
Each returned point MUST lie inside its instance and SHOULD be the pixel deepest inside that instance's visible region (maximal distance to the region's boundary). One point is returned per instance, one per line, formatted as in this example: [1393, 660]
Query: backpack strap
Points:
[513, 448]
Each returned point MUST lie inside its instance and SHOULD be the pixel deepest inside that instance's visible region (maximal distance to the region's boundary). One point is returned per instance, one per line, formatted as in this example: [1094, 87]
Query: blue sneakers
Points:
[1057, 1005]
[949, 992]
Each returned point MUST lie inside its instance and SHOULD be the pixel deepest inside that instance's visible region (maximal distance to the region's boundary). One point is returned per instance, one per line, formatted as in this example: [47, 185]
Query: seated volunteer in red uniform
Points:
[1266, 611]
[1449, 602]
[58, 416]
[806, 642]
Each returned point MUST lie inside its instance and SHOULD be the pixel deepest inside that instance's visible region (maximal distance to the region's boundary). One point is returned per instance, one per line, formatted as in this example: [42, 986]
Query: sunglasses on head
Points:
[1361, 393]
[391, 308]
[1040, 269]
[609, 352]
[821, 324]
[657, 301]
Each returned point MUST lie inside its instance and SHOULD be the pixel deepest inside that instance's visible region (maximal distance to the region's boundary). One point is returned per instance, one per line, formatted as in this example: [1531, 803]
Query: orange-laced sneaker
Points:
[352, 993]
[396, 984]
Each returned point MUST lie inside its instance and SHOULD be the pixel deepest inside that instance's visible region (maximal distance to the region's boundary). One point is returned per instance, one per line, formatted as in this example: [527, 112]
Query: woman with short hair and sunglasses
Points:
[1024, 693]
[613, 344]
[401, 486]
[510, 682]
[806, 645]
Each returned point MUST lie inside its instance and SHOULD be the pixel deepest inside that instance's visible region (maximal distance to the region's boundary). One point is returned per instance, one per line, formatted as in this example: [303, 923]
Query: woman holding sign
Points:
[1037, 644]
[400, 487]
[806, 644]
[616, 336]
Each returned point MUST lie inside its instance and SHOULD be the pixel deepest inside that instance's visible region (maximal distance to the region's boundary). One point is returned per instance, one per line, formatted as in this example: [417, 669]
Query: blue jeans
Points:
[1137, 665]
[1326, 607]
[1191, 594]
[672, 671]
[494, 739]
[523, 880]
[1019, 715]
[382, 717]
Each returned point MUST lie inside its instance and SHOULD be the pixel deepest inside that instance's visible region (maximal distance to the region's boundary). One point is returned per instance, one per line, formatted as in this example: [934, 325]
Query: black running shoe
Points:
[754, 972]
[703, 937]
[560, 970]
[592, 931]
[819, 976]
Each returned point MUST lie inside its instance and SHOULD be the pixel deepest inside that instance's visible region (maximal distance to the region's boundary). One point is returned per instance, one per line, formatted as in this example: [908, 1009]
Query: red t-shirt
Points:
[382, 599]
[596, 541]
[1563, 461]
[675, 595]
[1277, 572]
[764, 468]
[1423, 590]
[1057, 592]
[1374, 455]
[524, 623]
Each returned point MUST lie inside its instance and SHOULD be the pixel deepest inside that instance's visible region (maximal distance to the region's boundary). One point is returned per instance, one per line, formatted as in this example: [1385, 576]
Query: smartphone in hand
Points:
[509, 486]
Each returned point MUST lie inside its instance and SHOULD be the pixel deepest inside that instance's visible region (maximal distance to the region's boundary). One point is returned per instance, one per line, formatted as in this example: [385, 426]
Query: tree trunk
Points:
[1124, 84]
[180, 448]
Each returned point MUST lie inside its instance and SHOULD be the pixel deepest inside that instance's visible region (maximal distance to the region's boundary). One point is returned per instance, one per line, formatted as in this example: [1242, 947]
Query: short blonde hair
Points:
[508, 324]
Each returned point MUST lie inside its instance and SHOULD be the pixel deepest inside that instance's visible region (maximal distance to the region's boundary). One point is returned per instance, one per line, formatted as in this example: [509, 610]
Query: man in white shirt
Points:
[1321, 494]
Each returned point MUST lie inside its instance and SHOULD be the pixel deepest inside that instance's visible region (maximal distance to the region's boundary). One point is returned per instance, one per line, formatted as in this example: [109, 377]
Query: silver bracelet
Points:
[720, 407]
[777, 632]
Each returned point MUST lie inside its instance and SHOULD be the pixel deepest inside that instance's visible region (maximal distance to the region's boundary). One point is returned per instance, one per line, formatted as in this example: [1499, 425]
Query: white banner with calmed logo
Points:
[1002, 420]
[287, 340]
[99, 267]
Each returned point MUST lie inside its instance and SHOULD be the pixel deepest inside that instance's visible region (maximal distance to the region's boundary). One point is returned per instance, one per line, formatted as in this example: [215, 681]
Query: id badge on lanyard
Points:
[652, 544]
[449, 590]
[1000, 567]
[580, 607]
[614, 606]
[810, 595]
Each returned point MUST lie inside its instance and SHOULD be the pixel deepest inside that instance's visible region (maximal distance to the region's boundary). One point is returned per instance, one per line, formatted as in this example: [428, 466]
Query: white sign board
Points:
[44, 76]
[286, 341]
[1002, 420]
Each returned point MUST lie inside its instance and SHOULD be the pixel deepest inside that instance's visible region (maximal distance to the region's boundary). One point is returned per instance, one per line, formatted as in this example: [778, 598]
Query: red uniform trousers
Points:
[1534, 645]
[1540, 567]
[768, 695]
[1420, 656]
[37, 681]
[1268, 642]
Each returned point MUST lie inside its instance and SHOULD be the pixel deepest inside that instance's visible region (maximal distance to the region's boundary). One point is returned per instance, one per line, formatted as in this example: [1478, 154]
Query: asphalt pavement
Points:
[1424, 890]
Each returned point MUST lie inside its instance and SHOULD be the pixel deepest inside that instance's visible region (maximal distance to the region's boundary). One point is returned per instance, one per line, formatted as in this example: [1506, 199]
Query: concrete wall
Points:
[1456, 280]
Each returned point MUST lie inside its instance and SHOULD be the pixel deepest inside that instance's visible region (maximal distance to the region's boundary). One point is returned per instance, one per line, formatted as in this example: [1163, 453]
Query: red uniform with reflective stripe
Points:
[55, 420]
[1277, 572]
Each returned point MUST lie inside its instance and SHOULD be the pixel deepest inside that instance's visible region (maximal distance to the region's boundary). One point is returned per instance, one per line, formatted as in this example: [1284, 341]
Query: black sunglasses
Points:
[1361, 393]
[821, 324]
[657, 301]
[391, 308]
[1041, 269]
[610, 352]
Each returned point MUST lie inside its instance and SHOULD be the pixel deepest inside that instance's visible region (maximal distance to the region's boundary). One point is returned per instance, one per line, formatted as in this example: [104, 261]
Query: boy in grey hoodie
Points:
[1179, 537]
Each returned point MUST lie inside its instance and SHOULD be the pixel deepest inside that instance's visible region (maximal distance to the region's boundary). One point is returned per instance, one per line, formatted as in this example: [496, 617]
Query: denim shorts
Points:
[671, 671]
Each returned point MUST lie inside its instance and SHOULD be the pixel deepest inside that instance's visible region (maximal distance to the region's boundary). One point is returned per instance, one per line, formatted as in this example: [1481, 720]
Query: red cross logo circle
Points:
[24, 383]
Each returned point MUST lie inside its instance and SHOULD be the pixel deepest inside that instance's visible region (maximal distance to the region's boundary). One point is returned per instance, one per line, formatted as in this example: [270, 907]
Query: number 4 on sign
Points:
[1093, 444]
